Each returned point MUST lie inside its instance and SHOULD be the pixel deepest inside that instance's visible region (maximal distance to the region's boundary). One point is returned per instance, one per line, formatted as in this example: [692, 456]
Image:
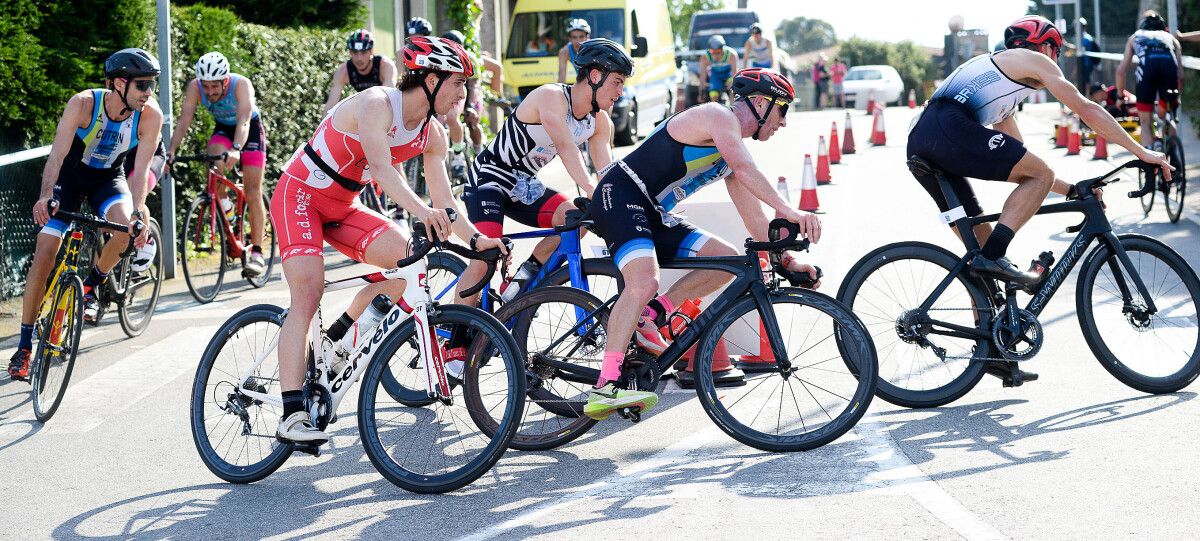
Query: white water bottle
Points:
[227, 208]
[509, 289]
[366, 323]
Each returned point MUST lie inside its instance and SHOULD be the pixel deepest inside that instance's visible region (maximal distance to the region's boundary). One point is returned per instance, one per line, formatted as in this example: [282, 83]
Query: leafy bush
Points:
[913, 63]
[331, 14]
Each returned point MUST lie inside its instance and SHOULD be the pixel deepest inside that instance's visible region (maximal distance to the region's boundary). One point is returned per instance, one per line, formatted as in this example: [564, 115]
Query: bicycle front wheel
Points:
[436, 449]
[1148, 199]
[1175, 190]
[139, 290]
[202, 250]
[234, 431]
[919, 368]
[1155, 352]
[817, 398]
[58, 344]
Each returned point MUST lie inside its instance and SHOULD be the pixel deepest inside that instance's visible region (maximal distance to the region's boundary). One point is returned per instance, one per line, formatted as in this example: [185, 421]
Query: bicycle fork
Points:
[437, 385]
[770, 325]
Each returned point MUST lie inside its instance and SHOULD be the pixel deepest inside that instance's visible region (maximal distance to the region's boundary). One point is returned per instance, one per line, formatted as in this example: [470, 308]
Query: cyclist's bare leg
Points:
[471, 276]
[383, 252]
[306, 280]
[35, 282]
[111, 253]
[1146, 133]
[1034, 179]
[253, 181]
[641, 285]
[701, 283]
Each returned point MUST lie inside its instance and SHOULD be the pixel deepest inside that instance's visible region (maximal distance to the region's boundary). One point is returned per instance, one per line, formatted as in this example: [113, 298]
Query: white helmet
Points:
[144, 256]
[212, 67]
[579, 24]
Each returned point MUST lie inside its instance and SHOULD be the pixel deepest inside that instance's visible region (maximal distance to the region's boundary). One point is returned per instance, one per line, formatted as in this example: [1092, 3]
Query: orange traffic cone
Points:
[1060, 135]
[764, 361]
[823, 176]
[782, 187]
[878, 134]
[835, 153]
[870, 102]
[848, 140]
[808, 187]
[912, 98]
[725, 374]
[1073, 141]
[1101, 148]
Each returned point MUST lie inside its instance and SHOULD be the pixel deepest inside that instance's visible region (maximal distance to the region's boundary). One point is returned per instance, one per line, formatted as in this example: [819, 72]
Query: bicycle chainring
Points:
[322, 401]
[640, 372]
[1020, 341]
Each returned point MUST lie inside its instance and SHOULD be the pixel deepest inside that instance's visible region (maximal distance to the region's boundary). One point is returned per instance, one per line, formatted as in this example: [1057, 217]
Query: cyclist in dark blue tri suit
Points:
[1159, 70]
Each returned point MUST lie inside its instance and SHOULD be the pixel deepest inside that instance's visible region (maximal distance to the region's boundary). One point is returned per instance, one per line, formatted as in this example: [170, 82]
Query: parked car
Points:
[733, 25]
[862, 80]
[643, 27]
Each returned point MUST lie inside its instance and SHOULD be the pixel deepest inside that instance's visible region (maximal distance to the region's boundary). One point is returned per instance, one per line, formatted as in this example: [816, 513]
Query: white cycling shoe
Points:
[297, 428]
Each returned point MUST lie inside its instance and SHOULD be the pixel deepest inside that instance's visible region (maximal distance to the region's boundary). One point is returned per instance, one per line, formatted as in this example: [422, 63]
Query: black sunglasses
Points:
[145, 85]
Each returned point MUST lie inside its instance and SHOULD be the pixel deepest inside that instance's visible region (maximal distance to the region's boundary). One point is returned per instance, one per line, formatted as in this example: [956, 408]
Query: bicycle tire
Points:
[196, 224]
[219, 465]
[1148, 199]
[132, 282]
[861, 373]
[1176, 189]
[550, 419]
[1139, 344]
[490, 335]
[591, 267]
[410, 388]
[881, 320]
[268, 233]
[48, 390]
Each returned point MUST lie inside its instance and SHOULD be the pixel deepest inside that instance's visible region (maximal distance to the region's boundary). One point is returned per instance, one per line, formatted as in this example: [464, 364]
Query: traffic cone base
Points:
[725, 374]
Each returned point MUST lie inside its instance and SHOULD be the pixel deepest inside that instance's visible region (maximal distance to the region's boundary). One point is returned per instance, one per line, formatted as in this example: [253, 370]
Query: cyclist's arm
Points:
[497, 70]
[187, 111]
[704, 73]
[440, 194]
[335, 88]
[771, 53]
[149, 130]
[734, 62]
[387, 72]
[1041, 68]
[563, 58]
[600, 144]
[1179, 62]
[552, 112]
[374, 120]
[1123, 67]
[73, 114]
[245, 97]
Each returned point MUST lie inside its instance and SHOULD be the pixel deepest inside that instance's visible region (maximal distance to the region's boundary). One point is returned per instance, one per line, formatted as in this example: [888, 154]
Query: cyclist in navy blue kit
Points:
[1159, 70]
[632, 210]
[952, 133]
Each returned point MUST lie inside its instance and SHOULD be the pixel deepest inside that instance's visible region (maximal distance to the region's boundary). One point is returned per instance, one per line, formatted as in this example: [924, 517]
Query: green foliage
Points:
[1115, 18]
[462, 15]
[801, 34]
[913, 63]
[1189, 20]
[681, 15]
[331, 14]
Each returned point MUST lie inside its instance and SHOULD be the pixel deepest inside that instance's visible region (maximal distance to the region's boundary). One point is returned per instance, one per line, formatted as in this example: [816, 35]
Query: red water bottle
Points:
[680, 319]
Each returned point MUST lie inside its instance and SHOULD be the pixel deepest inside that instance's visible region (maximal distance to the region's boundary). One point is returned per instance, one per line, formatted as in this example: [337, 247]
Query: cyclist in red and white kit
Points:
[363, 138]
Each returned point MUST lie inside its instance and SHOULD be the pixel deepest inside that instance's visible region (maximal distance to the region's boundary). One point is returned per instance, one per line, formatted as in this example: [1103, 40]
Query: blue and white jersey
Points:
[980, 85]
[225, 109]
[105, 142]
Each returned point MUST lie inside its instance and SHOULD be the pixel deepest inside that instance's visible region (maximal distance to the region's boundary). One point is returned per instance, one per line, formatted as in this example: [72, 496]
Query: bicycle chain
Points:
[971, 358]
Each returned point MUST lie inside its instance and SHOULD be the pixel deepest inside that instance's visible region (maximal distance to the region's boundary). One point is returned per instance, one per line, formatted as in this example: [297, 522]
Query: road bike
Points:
[1167, 141]
[433, 448]
[938, 326]
[216, 233]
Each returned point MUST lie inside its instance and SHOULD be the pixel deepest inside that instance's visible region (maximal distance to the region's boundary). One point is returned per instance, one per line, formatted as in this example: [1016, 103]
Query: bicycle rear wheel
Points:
[547, 326]
[816, 400]
[202, 250]
[1175, 190]
[270, 244]
[885, 288]
[58, 344]
[436, 449]
[234, 432]
[1151, 352]
[138, 290]
[1148, 199]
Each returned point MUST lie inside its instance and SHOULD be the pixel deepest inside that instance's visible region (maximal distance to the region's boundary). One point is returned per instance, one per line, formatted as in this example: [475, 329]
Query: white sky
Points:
[923, 22]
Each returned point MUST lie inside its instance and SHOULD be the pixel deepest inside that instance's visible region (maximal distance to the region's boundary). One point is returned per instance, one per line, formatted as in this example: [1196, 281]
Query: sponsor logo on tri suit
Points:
[984, 79]
[996, 141]
[302, 200]
[606, 197]
[632, 206]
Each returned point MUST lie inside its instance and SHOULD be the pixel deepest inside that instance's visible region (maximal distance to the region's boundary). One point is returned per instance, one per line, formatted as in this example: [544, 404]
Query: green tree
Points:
[335, 14]
[802, 34]
[681, 15]
[1116, 18]
[911, 61]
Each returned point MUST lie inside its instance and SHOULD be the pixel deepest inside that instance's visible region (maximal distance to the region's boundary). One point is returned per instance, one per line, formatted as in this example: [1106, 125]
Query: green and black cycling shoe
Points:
[609, 399]
[1004, 270]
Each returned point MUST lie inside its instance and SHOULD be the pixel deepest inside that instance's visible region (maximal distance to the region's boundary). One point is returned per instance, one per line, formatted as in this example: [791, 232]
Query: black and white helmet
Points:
[579, 24]
[212, 67]
[418, 26]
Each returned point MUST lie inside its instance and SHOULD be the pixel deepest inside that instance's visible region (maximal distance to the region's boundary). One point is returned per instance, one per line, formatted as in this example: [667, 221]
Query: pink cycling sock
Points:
[611, 369]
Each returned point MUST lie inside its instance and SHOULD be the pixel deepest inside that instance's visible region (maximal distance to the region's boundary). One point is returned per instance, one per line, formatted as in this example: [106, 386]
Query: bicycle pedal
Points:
[308, 449]
[633, 414]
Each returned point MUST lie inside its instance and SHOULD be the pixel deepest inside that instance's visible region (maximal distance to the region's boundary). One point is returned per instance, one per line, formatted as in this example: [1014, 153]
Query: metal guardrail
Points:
[24, 155]
[1189, 62]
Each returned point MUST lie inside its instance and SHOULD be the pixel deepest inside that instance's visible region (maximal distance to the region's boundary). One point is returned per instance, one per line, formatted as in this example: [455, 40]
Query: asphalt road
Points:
[1074, 455]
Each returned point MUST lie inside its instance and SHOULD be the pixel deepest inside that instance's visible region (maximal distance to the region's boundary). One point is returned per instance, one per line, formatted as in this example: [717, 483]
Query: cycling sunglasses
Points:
[783, 107]
[145, 85]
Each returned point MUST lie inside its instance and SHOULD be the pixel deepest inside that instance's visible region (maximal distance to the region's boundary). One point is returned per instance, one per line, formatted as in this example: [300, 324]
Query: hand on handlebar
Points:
[804, 275]
[1156, 158]
[438, 220]
[42, 211]
[810, 224]
[487, 243]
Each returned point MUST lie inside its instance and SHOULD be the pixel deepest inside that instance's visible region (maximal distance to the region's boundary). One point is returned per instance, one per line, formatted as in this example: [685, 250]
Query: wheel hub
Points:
[912, 326]
[1138, 316]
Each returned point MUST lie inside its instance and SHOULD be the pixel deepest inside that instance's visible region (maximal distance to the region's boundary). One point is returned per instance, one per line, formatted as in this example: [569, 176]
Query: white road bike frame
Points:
[415, 301]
